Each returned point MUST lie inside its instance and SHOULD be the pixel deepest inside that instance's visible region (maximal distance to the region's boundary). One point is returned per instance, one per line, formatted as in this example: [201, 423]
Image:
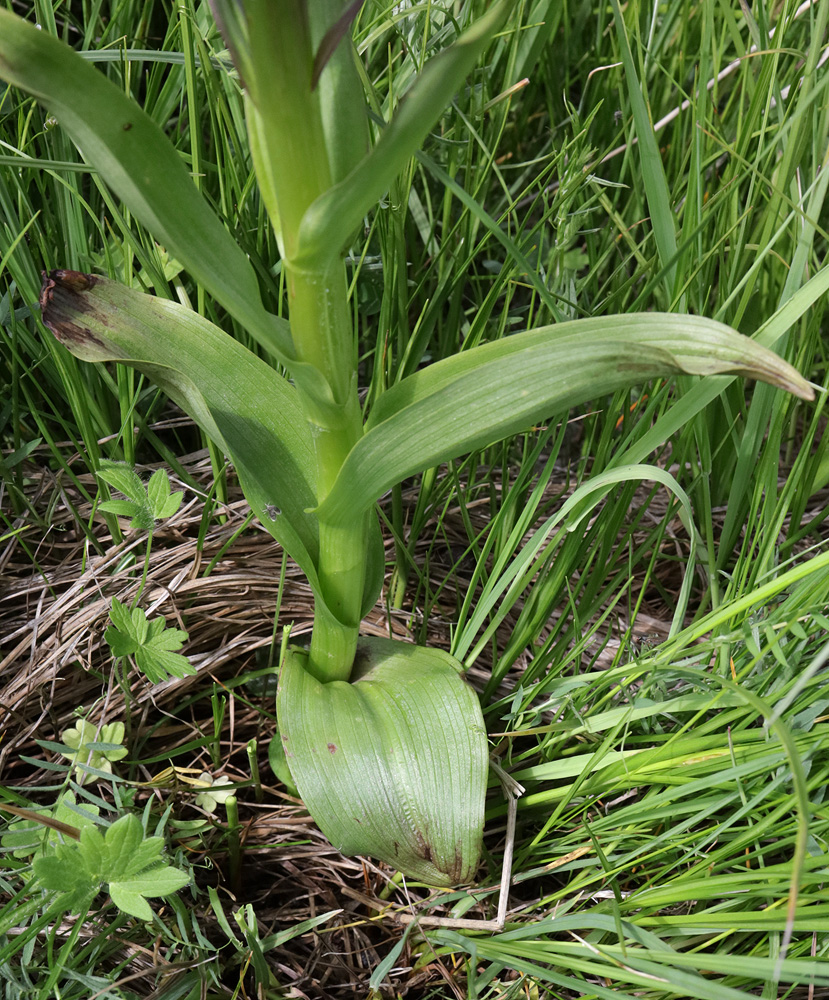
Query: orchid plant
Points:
[385, 740]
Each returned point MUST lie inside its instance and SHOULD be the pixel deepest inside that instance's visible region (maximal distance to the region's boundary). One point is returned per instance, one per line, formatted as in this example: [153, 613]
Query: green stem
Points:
[292, 162]
[234, 844]
[143, 583]
[321, 327]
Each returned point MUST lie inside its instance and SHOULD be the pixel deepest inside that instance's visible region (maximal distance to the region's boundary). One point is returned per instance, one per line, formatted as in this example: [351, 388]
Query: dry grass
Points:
[55, 660]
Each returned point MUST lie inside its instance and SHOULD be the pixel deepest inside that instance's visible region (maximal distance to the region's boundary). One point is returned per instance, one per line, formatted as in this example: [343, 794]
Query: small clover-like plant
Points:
[96, 748]
[149, 643]
[130, 865]
[145, 503]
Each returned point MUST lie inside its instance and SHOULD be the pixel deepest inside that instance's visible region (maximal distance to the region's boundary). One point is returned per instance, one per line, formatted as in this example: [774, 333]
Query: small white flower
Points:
[214, 793]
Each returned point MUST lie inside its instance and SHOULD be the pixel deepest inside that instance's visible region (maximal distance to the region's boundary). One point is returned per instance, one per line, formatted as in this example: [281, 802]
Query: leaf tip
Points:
[62, 304]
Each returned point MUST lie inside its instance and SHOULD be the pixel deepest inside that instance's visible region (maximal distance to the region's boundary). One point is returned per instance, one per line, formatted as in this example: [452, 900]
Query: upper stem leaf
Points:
[334, 215]
[489, 392]
[142, 167]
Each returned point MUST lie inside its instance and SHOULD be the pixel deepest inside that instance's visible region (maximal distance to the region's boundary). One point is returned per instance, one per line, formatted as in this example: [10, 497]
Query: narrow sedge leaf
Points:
[142, 167]
[482, 395]
[394, 763]
[653, 172]
[330, 220]
[295, 930]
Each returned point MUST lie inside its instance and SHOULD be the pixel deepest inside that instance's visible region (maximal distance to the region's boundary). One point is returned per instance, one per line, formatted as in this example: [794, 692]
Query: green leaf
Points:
[139, 625]
[158, 664]
[123, 858]
[146, 854]
[142, 167]
[341, 96]
[121, 617]
[239, 401]
[393, 764]
[141, 519]
[93, 749]
[248, 409]
[61, 874]
[330, 220]
[150, 642]
[484, 394]
[123, 478]
[158, 881]
[122, 838]
[146, 504]
[650, 159]
[22, 838]
[279, 764]
[131, 902]
[162, 502]
[119, 643]
[92, 850]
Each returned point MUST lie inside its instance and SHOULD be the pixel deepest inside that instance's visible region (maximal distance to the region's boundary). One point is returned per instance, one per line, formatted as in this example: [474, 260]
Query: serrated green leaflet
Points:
[371, 757]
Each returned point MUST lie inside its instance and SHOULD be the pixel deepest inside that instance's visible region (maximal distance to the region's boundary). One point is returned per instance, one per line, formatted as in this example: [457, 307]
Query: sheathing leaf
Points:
[244, 405]
[394, 763]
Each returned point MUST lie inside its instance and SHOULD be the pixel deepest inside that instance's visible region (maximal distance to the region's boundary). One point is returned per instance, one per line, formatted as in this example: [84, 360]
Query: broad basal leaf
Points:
[394, 763]
[484, 394]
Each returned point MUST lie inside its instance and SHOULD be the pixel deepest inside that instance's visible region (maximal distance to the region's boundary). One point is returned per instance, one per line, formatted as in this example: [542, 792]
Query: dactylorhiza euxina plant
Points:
[385, 740]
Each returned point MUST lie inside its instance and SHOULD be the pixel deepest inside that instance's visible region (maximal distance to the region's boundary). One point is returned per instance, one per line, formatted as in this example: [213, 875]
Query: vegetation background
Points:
[651, 661]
